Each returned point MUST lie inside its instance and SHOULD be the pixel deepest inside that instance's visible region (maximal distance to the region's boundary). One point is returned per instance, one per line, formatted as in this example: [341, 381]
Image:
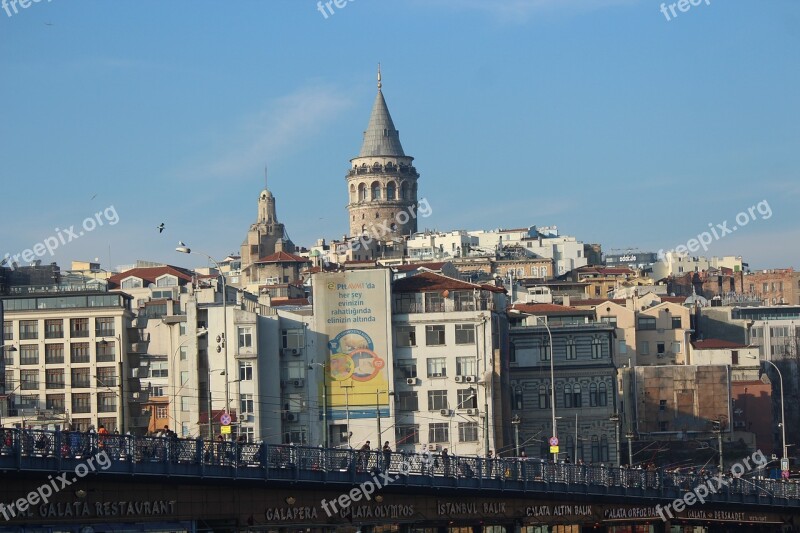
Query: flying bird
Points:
[180, 243]
[160, 227]
[93, 197]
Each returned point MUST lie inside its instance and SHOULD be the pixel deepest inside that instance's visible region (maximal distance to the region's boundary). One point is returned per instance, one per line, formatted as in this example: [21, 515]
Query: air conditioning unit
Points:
[433, 447]
[469, 379]
[291, 351]
[444, 412]
[411, 381]
[459, 379]
[289, 417]
[298, 383]
[472, 412]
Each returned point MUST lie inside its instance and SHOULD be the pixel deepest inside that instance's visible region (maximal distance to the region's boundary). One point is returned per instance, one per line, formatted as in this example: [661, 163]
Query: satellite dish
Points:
[445, 293]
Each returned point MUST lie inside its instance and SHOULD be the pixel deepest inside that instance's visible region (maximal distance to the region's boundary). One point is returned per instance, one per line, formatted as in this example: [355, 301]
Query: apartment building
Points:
[69, 359]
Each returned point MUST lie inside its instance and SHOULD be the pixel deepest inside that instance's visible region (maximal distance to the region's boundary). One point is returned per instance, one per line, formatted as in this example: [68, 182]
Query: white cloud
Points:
[283, 126]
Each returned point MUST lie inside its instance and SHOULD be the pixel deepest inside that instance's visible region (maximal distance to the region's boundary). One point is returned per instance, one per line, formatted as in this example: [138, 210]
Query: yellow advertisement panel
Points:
[352, 309]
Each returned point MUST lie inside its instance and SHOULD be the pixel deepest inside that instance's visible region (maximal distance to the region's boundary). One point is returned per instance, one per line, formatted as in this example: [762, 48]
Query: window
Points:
[391, 191]
[572, 352]
[676, 322]
[466, 366]
[159, 369]
[167, 281]
[296, 436]
[405, 336]
[660, 349]
[644, 348]
[467, 431]
[407, 303]
[106, 352]
[292, 370]
[29, 354]
[182, 329]
[602, 395]
[132, 283]
[544, 351]
[247, 406]
[408, 434]
[434, 335]
[437, 399]
[568, 395]
[81, 403]
[464, 300]
[249, 432]
[406, 368]
[161, 411]
[623, 347]
[157, 391]
[54, 378]
[465, 333]
[376, 191]
[646, 322]
[437, 367]
[28, 329]
[184, 377]
[734, 357]
[54, 354]
[577, 400]
[106, 402]
[55, 402]
[612, 320]
[79, 327]
[245, 337]
[292, 338]
[184, 353]
[245, 371]
[517, 398]
[80, 378]
[593, 398]
[663, 426]
[107, 376]
[544, 396]
[434, 302]
[467, 399]
[438, 432]
[676, 347]
[662, 405]
[8, 357]
[406, 401]
[185, 403]
[104, 327]
[597, 348]
[595, 449]
[53, 329]
[604, 448]
[8, 330]
[29, 379]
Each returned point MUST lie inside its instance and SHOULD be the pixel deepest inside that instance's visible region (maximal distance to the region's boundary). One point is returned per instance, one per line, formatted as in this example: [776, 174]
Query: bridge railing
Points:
[38, 450]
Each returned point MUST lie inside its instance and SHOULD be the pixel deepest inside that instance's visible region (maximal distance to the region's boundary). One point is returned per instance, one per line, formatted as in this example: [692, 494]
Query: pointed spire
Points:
[381, 138]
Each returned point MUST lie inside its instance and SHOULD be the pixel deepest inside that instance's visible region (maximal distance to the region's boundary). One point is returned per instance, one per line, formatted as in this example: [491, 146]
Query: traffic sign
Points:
[225, 430]
[553, 449]
[553, 441]
[785, 463]
[225, 419]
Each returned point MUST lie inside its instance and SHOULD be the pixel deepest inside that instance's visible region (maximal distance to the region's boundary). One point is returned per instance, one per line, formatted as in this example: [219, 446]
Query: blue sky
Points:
[599, 116]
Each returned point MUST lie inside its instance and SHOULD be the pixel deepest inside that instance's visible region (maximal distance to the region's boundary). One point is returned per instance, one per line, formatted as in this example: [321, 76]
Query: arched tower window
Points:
[353, 197]
[362, 192]
[376, 190]
[391, 191]
[403, 191]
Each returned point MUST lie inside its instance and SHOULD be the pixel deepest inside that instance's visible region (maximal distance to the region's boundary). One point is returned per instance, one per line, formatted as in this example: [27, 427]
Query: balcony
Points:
[79, 333]
[28, 335]
[104, 333]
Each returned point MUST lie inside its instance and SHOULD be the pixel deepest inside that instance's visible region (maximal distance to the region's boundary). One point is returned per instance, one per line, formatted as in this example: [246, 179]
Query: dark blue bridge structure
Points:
[109, 466]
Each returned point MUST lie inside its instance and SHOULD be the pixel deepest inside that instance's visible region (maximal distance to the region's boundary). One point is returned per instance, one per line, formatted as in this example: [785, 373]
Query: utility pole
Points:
[378, 416]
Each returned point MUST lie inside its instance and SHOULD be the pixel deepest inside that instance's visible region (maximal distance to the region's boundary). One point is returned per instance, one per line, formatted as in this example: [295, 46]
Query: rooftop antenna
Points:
[266, 173]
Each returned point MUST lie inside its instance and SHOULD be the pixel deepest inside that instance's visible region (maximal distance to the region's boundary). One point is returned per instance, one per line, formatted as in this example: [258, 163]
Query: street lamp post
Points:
[783, 412]
[615, 419]
[324, 403]
[186, 250]
[516, 422]
[629, 435]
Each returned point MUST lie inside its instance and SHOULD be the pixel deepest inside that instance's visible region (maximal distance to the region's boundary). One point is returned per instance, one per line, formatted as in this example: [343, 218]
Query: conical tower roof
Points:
[381, 139]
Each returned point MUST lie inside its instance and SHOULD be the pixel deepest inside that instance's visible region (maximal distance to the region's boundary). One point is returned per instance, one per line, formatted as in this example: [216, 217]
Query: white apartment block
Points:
[440, 245]
[566, 252]
[678, 263]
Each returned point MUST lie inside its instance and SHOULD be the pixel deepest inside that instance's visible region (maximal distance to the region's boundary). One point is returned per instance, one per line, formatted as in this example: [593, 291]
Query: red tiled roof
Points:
[415, 266]
[149, 274]
[673, 299]
[716, 344]
[549, 309]
[430, 281]
[283, 257]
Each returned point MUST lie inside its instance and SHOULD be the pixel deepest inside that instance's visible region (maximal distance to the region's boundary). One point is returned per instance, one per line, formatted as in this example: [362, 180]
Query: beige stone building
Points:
[265, 237]
[662, 335]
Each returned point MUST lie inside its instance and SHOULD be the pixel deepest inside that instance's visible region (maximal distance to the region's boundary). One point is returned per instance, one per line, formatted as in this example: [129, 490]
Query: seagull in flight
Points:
[160, 228]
